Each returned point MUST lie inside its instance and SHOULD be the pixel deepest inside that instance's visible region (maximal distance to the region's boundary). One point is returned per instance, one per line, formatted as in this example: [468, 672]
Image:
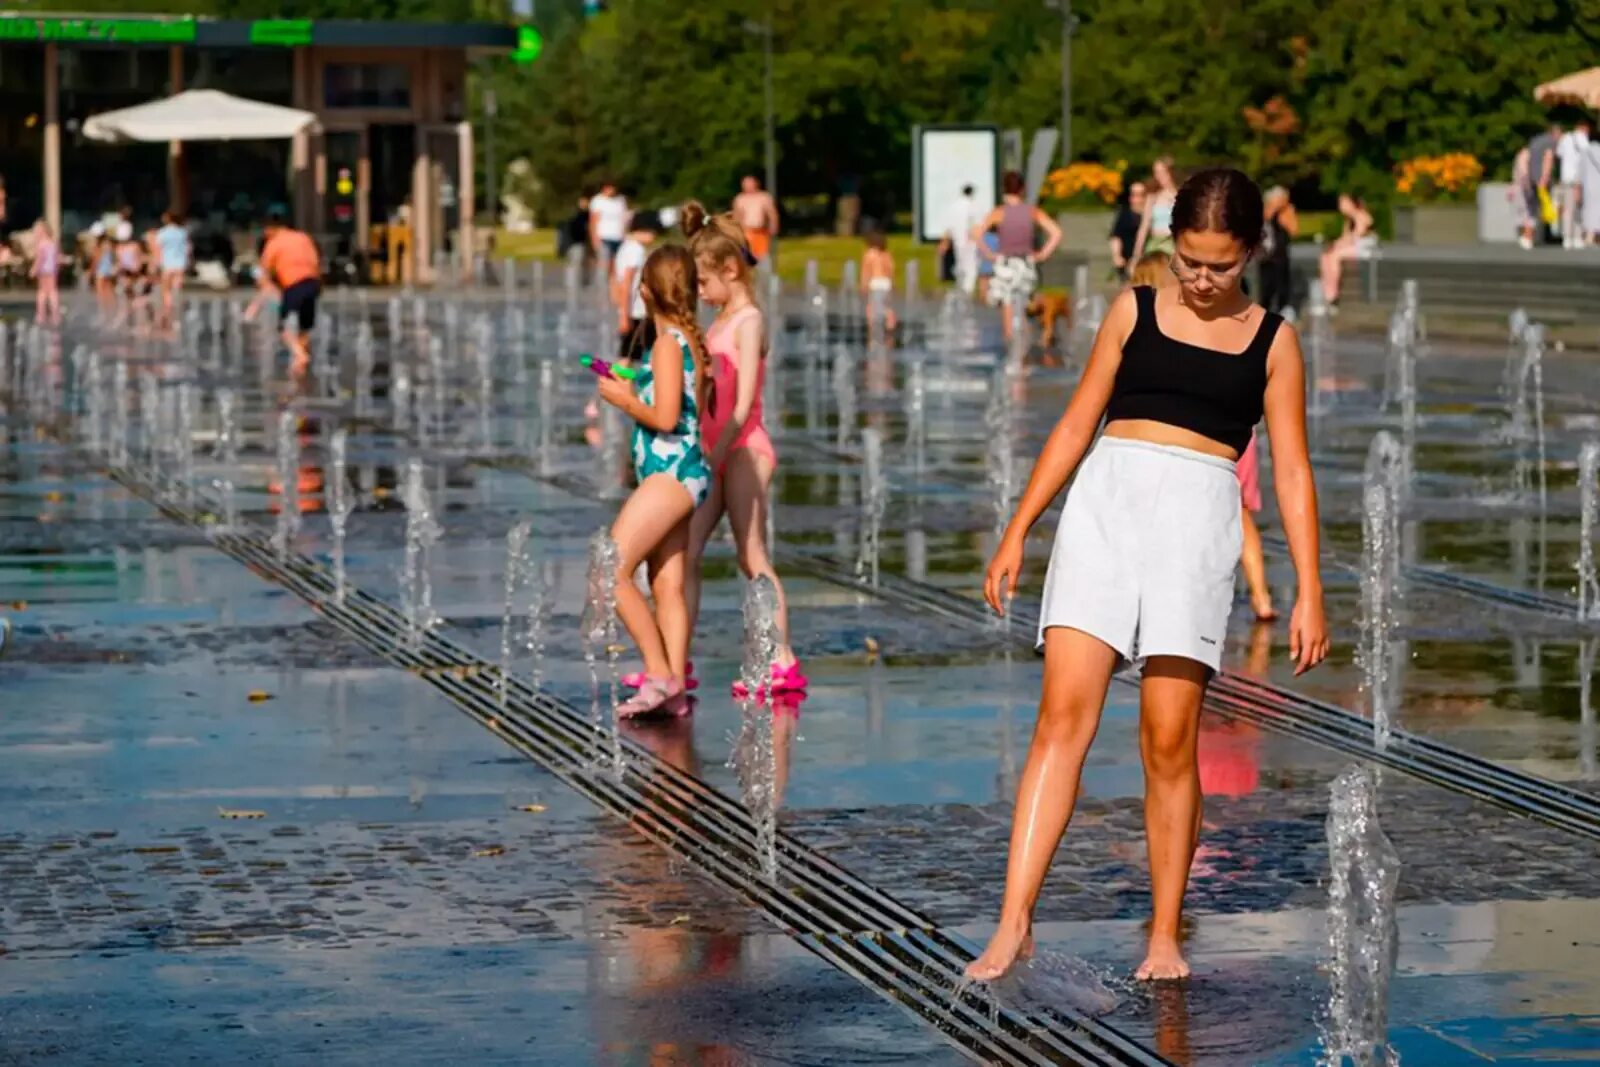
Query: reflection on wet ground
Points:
[233, 828]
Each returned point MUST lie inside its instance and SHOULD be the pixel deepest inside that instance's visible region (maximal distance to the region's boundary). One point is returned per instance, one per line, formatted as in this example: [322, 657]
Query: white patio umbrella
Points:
[199, 115]
[1581, 89]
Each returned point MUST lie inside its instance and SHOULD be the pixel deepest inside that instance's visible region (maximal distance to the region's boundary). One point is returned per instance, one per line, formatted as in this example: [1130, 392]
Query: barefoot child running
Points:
[740, 451]
[877, 283]
[1147, 542]
[653, 526]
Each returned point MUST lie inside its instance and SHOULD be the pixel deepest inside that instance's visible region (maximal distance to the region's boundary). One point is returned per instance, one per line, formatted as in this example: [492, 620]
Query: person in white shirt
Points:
[608, 221]
[961, 218]
[1591, 192]
[1571, 151]
[634, 329]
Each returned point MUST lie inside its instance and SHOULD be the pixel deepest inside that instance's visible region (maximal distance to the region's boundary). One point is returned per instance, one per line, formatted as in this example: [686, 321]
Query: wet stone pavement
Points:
[237, 835]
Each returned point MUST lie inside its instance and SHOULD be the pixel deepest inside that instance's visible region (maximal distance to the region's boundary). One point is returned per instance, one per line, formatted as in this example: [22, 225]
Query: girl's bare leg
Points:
[1255, 568]
[745, 483]
[1005, 320]
[1169, 735]
[666, 589]
[1077, 671]
[647, 517]
[701, 526]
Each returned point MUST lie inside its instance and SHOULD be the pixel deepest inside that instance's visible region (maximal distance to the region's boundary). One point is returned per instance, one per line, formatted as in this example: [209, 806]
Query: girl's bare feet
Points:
[1006, 947]
[1162, 962]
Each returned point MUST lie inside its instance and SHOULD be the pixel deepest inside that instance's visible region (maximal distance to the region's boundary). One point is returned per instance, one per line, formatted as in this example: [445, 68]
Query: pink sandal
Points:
[636, 680]
[790, 679]
[656, 695]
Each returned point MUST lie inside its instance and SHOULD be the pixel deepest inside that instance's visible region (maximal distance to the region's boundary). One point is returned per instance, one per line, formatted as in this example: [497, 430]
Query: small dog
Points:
[1050, 308]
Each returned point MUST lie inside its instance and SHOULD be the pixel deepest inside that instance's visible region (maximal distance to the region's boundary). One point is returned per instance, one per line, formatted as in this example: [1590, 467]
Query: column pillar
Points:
[300, 184]
[52, 139]
[422, 209]
[466, 195]
[177, 163]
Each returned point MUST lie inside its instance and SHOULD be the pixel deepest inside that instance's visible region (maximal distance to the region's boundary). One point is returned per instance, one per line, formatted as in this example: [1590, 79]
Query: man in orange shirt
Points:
[290, 263]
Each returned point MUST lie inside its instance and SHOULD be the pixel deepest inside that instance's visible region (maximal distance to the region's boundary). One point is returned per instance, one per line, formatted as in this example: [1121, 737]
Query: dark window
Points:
[358, 85]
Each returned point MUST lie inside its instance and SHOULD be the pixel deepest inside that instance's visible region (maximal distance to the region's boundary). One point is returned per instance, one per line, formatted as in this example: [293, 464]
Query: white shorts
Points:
[1145, 552]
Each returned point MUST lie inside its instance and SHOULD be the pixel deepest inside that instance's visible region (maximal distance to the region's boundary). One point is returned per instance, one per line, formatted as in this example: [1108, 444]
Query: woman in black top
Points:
[1147, 543]
[1281, 228]
[1125, 230]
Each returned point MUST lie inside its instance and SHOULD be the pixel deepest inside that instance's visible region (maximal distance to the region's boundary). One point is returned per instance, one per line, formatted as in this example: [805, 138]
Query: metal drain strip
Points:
[1270, 706]
[896, 952]
[1540, 603]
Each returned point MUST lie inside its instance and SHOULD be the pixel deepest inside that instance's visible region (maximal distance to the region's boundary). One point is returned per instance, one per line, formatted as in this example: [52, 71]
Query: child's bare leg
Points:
[1254, 563]
[647, 517]
[745, 483]
[666, 589]
[701, 526]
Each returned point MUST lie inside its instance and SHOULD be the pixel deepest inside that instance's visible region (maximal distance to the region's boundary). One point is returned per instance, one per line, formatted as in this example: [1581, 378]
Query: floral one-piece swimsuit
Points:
[677, 452]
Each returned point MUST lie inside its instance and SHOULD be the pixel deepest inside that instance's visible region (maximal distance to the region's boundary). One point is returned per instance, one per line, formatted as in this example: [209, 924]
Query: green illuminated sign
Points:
[285, 32]
[529, 45]
[92, 30]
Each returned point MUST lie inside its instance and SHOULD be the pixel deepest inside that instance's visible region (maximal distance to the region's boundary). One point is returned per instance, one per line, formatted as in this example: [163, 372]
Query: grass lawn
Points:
[831, 254]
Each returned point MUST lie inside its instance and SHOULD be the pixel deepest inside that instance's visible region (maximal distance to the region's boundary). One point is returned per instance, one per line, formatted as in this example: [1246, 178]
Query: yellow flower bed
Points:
[1454, 176]
[1085, 183]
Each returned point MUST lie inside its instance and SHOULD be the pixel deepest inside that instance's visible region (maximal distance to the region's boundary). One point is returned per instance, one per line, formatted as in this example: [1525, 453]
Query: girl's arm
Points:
[867, 259]
[621, 287]
[1297, 495]
[1052, 235]
[747, 340]
[662, 415]
[1290, 221]
[1064, 449]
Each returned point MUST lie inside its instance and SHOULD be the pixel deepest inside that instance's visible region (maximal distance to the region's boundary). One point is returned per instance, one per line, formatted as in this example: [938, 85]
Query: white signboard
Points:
[944, 160]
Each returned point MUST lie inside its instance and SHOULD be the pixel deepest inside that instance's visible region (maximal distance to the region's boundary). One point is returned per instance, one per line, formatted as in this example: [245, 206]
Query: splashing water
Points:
[483, 362]
[94, 397]
[754, 757]
[844, 396]
[1589, 513]
[400, 396]
[1364, 872]
[1588, 758]
[149, 419]
[340, 504]
[184, 439]
[518, 566]
[416, 577]
[547, 415]
[600, 636]
[1377, 610]
[121, 429]
[874, 497]
[366, 356]
[1052, 981]
[226, 450]
[288, 527]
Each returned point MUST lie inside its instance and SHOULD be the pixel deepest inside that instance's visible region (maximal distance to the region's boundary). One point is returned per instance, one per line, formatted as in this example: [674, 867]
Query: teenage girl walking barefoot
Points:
[741, 454]
[1145, 550]
[653, 526]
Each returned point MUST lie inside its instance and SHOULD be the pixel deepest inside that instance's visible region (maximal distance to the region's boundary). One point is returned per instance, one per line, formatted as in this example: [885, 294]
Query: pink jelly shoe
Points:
[636, 679]
[784, 679]
[654, 696]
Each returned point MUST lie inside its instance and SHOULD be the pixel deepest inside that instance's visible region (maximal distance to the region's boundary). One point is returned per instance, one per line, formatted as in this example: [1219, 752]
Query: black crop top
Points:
[1215, 394]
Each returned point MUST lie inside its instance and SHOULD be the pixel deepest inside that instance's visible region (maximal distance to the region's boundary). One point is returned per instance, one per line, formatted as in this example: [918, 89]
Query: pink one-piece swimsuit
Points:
[725, 377]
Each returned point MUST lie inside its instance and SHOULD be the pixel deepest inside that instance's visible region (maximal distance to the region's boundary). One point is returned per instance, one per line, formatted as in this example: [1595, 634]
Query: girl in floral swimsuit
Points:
[653, 526]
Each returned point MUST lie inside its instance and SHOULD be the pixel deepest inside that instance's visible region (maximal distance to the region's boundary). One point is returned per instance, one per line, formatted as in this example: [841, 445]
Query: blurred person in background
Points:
[1282, 226]
[1541, 172]
[1155, 229]
[1571, 149]
[757, 215]
[1125, 229]
[1357, 241]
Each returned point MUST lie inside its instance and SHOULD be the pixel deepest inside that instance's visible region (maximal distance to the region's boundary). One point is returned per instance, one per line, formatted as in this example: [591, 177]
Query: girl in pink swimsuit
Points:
[737, 444]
